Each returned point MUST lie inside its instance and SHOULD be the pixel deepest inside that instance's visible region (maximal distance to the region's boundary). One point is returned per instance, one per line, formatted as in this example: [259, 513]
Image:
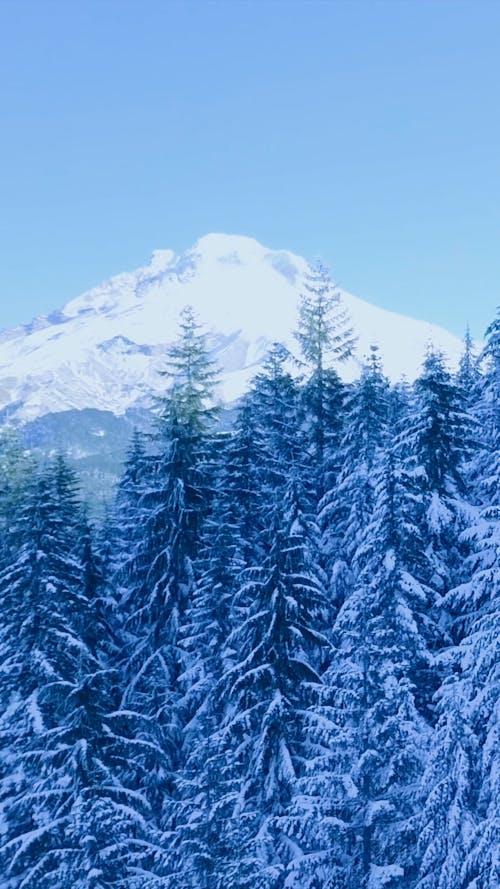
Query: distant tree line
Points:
[274, 664]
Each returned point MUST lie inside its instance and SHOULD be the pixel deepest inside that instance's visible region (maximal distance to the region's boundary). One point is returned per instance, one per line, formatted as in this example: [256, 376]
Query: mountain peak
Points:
[221, 247]
[105, 348]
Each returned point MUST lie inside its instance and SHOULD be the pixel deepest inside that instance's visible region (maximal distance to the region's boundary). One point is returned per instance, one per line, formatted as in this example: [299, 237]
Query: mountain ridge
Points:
[104, 347]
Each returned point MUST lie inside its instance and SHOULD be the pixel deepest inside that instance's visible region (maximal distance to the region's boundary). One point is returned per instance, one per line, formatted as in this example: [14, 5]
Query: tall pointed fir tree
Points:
[123, 519]
[325, 336]
[38, 585]
[242, 479]
[460, 834]
[270, 658]
[69, 819]
[172, 507]
[202, 787]
[468, 375]
[271, 693]
[346, 508]
[487, 414]
[378, 756]
[261, 456]
[436, 443]
[275, 411]
[480, 648]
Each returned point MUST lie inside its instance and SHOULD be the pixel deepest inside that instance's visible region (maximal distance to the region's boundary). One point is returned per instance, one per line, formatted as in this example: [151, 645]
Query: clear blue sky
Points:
[367, 133]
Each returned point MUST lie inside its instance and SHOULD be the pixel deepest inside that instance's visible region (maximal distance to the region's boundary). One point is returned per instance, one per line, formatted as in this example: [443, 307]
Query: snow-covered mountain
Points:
[103, 349]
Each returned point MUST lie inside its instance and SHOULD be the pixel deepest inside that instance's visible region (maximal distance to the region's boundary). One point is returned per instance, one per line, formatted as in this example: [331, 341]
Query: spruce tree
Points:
[461, 811]
[199, 848]
[243, 479]
[171, 504]
[325, 336]
[382, 738]
[69, 819]
[437, 442]
[268, 694]
[468, 375]
[346, 508]
[271, 414]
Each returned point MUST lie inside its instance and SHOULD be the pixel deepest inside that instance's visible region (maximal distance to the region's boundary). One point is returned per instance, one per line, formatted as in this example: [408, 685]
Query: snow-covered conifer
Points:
[325, 336]
[274, 404]
[279, 612]
[172, 500]
[69, 819]
[436, 442]
[461, 811]
[346, 508]
[378, 647]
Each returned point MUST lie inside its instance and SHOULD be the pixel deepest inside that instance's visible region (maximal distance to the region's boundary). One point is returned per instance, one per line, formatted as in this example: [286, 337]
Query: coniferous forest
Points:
[273, 663]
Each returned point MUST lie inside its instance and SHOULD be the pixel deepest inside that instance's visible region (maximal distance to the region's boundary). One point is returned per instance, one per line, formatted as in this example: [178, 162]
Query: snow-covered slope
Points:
[104, 349]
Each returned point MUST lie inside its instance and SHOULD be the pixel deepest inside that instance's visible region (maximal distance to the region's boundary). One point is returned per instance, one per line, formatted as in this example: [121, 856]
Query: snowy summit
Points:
[104, 348]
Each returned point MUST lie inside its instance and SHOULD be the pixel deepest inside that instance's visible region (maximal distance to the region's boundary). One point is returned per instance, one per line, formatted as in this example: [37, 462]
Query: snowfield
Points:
[104, 348]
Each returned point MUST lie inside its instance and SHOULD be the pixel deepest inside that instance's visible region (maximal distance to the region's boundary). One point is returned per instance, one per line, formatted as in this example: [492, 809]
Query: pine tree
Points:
[461, 813]
[324, 335]
[124, 519]
[346, 508]
[468, 371]
[436, 444]
[446, 821]
[378, 646]
[480, 695]
[170, 494]
[268, 692]
[261, 456]
[208, 625]
[244, 455]
[274, 409]
[69, 820]
[486, 464]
